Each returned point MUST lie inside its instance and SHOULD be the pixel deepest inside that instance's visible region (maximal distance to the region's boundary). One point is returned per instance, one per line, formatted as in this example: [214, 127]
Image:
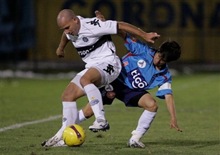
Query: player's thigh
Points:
[72, 92]
[92, 75]
[148, 102]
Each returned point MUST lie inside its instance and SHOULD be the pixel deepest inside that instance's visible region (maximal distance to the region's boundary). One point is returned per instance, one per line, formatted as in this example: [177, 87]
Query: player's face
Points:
[71, 27]
[158, 60]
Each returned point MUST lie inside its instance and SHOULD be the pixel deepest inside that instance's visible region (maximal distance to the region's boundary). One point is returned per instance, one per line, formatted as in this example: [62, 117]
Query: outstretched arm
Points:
[124, 27]
[148, 37]
[60, 49]
[171, 108]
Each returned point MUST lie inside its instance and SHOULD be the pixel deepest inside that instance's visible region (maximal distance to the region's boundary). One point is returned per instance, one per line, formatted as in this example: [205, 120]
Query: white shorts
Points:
[109, 71]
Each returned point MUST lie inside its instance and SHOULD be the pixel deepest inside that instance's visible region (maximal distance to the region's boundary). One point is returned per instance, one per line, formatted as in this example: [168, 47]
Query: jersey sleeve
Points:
[163, 90]
[135, 46]
[101, 28]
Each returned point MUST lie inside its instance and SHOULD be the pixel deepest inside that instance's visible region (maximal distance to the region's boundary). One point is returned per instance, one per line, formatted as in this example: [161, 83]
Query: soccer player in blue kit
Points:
[143, 68]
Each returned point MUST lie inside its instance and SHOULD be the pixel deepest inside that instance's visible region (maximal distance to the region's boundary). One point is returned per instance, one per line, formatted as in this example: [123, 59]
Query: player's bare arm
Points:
[171, 108]
[60, 49]
[148, 37]
[124, 27]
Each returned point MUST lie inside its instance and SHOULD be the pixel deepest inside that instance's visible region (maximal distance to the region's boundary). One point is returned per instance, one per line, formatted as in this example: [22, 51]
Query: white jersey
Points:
[93, 42]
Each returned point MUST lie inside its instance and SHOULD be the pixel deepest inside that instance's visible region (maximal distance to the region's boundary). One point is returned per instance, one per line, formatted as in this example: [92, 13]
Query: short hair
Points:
[170, 51]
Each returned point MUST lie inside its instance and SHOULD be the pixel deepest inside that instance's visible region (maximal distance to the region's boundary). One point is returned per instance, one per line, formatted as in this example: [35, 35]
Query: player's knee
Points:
[64, 97]
[68, 97]
[153, 108]
[151, 105]
[84, 81]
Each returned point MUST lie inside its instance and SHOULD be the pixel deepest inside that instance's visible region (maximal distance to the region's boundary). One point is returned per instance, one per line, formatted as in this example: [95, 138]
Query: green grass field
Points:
[27, 100]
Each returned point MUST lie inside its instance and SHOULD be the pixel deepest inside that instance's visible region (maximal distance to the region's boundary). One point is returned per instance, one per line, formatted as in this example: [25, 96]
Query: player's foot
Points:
[52, 141]
[134, 141]
[99, 125]
[135, 144]
[60, 143]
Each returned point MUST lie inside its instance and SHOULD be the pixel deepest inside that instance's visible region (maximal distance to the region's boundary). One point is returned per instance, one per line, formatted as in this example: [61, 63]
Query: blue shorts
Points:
[123, 93]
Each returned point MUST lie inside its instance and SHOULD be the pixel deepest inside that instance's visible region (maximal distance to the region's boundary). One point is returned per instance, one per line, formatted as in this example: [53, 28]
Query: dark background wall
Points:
[29, 32]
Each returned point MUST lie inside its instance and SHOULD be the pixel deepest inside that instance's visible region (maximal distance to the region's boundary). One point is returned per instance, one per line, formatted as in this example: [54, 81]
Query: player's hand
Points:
[60, 52]
[173, 124]
[99, 15]
[151, 37]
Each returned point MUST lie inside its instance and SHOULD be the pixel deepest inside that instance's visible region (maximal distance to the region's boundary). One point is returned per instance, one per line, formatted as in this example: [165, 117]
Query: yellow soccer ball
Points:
[74, 135]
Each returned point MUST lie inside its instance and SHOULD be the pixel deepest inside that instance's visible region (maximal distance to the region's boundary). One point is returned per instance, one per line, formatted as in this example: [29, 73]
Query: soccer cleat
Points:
[134, 141]
[60, 143]
[52, 141]
[99, 125]
[135, 144]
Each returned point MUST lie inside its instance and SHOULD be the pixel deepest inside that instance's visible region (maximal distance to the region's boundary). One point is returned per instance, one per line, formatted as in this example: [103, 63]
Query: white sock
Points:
[70, 115]
[95, 100]
[144, 122]
[81, 117]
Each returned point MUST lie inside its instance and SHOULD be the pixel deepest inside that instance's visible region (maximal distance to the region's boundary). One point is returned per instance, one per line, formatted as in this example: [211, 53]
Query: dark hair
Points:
[170, 51]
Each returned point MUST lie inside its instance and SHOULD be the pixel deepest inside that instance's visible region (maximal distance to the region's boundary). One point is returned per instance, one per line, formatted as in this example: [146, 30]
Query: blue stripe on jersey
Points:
[161, 93]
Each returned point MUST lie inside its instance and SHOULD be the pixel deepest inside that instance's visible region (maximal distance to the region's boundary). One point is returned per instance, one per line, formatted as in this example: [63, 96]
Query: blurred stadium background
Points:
[30, 36]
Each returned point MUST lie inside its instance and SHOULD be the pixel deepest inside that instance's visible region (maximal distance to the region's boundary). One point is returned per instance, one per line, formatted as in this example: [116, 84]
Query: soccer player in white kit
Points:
[91, 38]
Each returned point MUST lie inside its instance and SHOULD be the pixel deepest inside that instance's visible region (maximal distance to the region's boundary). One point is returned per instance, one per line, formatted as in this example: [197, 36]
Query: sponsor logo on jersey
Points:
[136, 79]
[85, 52]
[141, 63]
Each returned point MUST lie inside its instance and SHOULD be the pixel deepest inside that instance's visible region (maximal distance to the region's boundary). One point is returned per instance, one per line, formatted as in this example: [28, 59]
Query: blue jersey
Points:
[138, 71]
